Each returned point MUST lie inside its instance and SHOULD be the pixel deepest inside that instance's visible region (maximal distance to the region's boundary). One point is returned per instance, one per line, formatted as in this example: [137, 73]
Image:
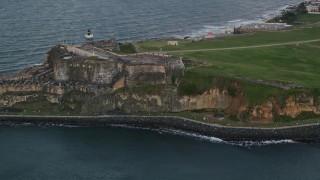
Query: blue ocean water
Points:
[29, 28]
[28, 152]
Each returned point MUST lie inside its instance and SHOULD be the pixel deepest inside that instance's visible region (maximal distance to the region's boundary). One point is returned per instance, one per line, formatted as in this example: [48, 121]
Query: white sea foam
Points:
[261, 143]
[205, 30]
[229, 25]
[38, 64]
[180, 133]
[218, 140]
[236, 20]
[197, 136]
[67, 126]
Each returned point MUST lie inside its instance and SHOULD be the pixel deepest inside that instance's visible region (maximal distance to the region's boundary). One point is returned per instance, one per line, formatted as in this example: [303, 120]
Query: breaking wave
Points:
[229, 25]
[195, 136]
[211, 139]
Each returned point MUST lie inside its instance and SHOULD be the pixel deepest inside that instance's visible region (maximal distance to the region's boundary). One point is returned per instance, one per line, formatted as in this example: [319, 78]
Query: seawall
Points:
[303, 133]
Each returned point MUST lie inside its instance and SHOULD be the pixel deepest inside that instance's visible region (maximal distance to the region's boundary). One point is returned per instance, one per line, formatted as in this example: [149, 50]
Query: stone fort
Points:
[95, 64]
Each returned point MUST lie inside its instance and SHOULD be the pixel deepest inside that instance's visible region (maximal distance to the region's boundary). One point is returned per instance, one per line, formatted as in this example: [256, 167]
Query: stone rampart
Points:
[137, 69]
[10, 100]
[78, 51]
[20, 88]
[89, 71]
[145, 74]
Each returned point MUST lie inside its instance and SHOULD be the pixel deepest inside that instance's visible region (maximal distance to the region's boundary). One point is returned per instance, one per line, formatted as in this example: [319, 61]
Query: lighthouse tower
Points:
[89, 36]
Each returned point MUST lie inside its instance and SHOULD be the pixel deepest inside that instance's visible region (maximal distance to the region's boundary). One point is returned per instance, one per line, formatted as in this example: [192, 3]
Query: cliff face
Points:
[298, 104]
[170, 101]
[214, 98]
[293, 107]
[211, 99]
[102, 101]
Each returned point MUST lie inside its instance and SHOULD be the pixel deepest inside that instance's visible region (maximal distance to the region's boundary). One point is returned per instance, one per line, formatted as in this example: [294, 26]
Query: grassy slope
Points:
[309, 18]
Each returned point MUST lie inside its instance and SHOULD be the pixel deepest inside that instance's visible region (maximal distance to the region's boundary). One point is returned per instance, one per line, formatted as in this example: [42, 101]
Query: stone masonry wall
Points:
[20, 88]
[145, 74]
[89, 71]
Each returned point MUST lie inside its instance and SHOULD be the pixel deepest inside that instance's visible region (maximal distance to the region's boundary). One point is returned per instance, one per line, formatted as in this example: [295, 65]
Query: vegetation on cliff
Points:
[127, 48]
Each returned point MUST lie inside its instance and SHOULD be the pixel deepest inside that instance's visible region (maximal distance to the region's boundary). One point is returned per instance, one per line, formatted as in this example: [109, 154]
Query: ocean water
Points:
[29, 28]
[29, 152]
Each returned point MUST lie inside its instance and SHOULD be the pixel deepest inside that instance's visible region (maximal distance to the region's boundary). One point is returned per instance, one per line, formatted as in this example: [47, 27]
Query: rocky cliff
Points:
[165, 99]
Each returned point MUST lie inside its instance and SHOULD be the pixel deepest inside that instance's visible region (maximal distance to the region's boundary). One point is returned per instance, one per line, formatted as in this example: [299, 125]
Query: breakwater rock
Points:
[265, 26]
[303, 133]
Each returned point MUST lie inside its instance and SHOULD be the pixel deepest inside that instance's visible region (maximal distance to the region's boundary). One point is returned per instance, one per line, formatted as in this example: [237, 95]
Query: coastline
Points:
[301, 133]
[263, 22]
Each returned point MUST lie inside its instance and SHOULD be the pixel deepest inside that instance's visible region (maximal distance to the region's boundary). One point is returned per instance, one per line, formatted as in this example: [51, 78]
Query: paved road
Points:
[243, 47]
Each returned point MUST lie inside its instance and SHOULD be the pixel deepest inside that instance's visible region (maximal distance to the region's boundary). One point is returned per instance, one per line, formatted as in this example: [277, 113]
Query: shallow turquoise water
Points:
[121, 153]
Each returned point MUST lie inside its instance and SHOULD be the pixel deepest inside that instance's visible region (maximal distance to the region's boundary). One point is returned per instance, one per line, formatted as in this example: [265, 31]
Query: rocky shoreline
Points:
[303, 133]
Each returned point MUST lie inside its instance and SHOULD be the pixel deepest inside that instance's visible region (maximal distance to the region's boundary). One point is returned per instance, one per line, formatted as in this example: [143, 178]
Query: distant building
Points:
[310, 1]
[312, 6]
[209, 35]
[172, 43]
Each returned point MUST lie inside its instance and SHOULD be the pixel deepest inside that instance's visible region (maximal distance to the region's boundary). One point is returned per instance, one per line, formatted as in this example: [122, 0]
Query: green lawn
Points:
[290, 63]
[258, 38]
[309, 18]
[298, 63]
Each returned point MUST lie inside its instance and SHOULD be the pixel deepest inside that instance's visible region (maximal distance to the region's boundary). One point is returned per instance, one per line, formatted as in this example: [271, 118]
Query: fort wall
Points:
[89, 71]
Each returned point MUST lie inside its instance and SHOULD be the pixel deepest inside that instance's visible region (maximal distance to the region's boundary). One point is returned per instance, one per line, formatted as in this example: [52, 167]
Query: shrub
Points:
[187, 89]
[127, 48]
[92, 58]
[232, 91]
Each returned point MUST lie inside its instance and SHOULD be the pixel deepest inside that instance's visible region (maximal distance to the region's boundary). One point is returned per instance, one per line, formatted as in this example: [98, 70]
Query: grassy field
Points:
[298, 63]
[290, 63]
[293, 34]
[309, 18]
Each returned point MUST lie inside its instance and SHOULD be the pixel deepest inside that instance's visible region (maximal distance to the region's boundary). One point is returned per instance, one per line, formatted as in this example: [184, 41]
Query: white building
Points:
[172, 43]
[312, 5]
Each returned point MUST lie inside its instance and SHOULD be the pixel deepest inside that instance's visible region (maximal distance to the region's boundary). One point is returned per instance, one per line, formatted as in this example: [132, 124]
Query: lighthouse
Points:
[89, 35]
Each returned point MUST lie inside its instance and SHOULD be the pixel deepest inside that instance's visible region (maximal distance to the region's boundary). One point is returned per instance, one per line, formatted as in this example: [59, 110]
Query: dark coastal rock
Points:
[304, 133]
